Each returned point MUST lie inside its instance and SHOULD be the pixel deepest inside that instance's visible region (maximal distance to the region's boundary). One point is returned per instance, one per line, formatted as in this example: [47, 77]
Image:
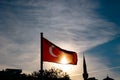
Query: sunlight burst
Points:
[64, 60]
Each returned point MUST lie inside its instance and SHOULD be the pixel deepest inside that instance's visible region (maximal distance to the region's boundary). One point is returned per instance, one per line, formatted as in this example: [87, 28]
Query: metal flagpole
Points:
[41, 58]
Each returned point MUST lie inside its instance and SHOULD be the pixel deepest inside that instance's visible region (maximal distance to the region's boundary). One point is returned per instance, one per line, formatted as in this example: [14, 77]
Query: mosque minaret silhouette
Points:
[86, 75]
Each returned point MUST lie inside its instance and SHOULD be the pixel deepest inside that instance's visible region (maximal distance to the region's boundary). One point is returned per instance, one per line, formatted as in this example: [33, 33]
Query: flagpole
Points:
[41, 58]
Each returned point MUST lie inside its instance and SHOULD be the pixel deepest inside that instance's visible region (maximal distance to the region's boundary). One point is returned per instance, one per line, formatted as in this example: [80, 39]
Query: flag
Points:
[53, 53]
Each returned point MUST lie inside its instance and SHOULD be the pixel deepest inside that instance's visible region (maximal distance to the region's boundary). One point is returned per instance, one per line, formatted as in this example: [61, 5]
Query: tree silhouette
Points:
[52, 74]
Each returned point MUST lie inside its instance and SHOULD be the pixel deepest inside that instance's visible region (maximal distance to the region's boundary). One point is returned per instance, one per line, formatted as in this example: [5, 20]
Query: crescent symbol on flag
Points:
[51, 51]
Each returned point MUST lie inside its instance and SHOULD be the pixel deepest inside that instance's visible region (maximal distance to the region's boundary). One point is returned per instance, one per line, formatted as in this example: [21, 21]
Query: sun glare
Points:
[64, 60]
[64, 64]
[65, 67]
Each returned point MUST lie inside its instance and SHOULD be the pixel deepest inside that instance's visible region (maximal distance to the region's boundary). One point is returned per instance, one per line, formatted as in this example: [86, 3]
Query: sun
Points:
[64, 60]
[64, 65]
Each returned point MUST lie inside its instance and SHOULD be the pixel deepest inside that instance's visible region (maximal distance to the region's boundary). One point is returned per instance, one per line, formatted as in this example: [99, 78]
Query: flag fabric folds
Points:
[53, 53]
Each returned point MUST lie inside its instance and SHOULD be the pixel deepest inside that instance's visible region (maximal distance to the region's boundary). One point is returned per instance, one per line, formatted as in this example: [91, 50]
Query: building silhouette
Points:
[86, 75]
[16, 74]
[10, 74]
[14, 71]
[108, 78]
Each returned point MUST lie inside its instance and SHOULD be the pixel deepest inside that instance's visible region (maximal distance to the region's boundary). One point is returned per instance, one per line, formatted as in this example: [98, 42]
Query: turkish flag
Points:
[53, 53]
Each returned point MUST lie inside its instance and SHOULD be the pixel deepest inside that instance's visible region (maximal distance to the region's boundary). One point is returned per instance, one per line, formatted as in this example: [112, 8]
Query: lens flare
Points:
[64, 60]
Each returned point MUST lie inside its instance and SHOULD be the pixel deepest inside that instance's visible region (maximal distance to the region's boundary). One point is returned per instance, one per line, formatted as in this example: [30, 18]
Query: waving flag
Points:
[53, 53]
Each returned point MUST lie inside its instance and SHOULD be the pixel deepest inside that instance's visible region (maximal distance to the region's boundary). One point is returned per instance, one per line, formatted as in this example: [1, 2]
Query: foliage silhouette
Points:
[51, 74]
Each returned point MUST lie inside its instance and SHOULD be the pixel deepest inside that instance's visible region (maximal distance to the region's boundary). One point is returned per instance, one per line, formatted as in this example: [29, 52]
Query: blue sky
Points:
[89, 26]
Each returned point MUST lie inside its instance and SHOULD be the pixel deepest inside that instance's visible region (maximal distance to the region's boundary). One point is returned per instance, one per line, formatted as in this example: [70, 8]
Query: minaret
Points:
[85, 74]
